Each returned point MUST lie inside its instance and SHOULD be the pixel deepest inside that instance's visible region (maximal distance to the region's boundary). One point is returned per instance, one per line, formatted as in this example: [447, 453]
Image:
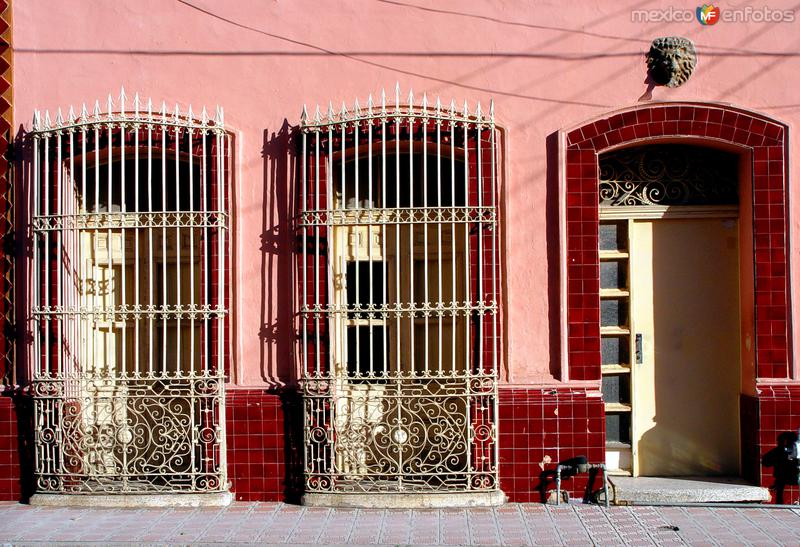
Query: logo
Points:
[708, 14]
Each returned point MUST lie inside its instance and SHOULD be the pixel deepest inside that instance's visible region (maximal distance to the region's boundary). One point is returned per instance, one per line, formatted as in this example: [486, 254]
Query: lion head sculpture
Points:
[671, 60]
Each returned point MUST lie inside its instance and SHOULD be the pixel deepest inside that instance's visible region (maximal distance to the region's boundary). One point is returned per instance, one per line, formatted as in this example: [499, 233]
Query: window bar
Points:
[108, 300]
[370, 205]
[205, 181]
[495, 272]
[454, 290]
[384, 315]
[35, 290]
[412, 300]
[303, 246]
[150, 274]
[357, 257]
[75, 257]
[467, 281]
[495, 229]
[330, 318]
[397, 228]
[439, 293]
[179, 308]
[192, 303]
[222, 229]
[481, 227]
[58, 194]
[47, 302]
[316, 252]
[96, 312]
[164, 258]
[342, 319]
[469, 304]
[124, 243]
[84, 288]
[426, 294]
[136, 260]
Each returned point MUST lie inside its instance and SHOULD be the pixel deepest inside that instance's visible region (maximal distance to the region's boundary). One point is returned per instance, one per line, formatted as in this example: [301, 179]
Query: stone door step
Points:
[644, 490]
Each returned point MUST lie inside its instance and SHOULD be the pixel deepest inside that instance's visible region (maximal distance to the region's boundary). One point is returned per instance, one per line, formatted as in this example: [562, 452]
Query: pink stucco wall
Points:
[548, 65]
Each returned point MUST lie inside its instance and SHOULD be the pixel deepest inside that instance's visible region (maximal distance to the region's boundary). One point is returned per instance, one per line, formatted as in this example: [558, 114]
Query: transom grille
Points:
[128, 225]
[398, 298]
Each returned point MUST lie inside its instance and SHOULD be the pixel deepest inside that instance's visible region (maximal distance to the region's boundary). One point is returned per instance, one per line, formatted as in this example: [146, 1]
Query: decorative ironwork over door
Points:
[128, 218]
[398, 283]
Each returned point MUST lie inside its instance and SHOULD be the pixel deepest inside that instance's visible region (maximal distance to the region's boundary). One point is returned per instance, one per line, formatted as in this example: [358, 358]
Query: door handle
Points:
[638, 348]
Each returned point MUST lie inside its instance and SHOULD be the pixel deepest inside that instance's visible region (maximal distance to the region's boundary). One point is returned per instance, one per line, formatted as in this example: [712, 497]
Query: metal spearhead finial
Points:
[357, 109]
[491, 110]
[59, 117]
[84, 112]
[190, 114]
[37, 120]
[47, 122]
[330, 110]
[164, 111]
[136, 104]
[97, 110]
[122, 98]
[204, 116]
[397, 95]
[71, 115]
[383, 101]
[343, 112]
[220, 117]
[317, 116]
[109, 106]
[304, 115]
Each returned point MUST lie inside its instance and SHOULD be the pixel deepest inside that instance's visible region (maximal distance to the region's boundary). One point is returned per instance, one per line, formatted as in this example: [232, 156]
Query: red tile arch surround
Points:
[712, 123]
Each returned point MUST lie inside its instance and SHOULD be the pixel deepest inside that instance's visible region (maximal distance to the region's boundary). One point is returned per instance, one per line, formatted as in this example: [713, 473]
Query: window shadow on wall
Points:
[553, 262]
[275, 333]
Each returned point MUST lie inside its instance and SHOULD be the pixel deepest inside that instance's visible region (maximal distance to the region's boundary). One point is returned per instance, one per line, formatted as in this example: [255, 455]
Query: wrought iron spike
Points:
[122, 98]
[438, 105]
[176, 115]
[59, 117]
[150, 107]
[317, 116]
[397, 94]
[424, 100]
[356, 109]
[109, 105]
[36, 120]
[136, 104]
[164, 110]
[452, 107]
[71, 115]
[478, 111]
[47, 123]
[219, 119]
[84, 112]
[190, 114]
[491, 109]
[304, 114]
[465, 112]
[343, 112]
[97, 110]
[330, 110]
[383, 100]
[204, 116]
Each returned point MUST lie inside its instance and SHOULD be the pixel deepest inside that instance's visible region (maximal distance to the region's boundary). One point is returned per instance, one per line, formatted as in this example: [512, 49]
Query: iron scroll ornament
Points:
[668, 175]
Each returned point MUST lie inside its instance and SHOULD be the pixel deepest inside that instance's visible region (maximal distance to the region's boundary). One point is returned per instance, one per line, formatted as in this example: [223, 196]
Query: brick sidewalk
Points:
[512, 524]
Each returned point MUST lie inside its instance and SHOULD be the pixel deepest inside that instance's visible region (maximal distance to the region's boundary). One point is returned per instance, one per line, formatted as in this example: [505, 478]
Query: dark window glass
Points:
[615, 350]
[613, 274]
[618, 427]
[363, 350]
[613, 312]
[617, 388]
[613, 236]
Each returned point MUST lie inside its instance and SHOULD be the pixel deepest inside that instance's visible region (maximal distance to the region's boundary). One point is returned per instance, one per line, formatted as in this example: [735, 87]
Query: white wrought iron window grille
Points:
[129, 299]
[398, 284]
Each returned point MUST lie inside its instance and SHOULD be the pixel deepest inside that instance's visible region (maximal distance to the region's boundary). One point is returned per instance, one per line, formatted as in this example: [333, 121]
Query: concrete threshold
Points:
[644, 490]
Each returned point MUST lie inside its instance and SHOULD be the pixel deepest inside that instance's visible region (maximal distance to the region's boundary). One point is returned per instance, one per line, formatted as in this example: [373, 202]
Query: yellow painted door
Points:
[685, 291]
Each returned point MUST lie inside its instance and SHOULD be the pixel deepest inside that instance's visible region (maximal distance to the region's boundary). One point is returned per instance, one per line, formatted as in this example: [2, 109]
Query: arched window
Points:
[129, 300]
[398, 300]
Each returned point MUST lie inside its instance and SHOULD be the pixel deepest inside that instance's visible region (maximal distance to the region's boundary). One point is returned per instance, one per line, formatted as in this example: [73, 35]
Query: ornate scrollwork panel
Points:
[400, 435]
[106, 435]
[668, 175]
